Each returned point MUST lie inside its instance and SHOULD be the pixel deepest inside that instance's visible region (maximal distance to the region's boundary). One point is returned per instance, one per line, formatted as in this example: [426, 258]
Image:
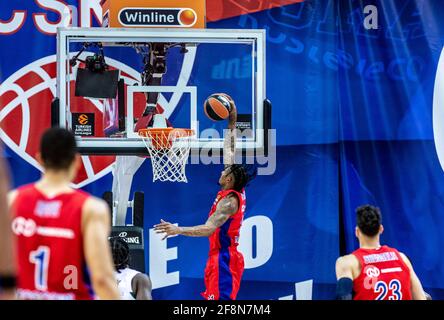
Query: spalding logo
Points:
[25, 113]
[438, 110]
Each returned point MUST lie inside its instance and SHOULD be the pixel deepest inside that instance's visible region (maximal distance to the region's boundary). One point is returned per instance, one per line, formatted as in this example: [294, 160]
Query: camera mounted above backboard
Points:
[94, 80]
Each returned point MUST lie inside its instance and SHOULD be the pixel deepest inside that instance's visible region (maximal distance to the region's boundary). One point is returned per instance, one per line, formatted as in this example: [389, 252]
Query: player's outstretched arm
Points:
[141, 285]
[230, 136]
[224, 210]
[416, 287]
[96, 229]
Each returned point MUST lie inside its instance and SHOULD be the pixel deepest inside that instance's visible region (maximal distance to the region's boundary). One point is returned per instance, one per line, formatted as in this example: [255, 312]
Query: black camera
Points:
[160, 66]
[96, 63]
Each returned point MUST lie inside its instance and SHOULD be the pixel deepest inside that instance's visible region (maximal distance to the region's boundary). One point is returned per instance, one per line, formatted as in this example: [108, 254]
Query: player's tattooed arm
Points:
[225, 209]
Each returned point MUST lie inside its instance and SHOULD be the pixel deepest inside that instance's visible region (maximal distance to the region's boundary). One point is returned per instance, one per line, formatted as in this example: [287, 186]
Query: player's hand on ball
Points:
[233, 105]
[232, 118]
[166, 227]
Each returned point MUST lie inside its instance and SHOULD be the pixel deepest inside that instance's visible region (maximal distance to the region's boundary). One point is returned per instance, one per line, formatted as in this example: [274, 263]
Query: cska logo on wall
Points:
[25, 113]
[438, 110]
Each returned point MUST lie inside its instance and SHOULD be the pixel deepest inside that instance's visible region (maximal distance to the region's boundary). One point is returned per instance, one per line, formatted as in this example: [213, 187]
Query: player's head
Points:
[237, 176]
[58, 150]
[120, 251]
[369, 221]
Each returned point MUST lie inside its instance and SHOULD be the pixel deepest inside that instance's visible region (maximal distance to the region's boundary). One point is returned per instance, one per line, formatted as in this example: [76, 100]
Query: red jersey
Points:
[384, 275]
[225, 264]
[51, 263]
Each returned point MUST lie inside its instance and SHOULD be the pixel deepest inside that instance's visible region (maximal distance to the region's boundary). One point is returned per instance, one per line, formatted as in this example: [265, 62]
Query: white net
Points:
[169, 149]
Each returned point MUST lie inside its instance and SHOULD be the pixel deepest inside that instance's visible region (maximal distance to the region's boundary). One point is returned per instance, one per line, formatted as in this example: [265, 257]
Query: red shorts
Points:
[223, 274]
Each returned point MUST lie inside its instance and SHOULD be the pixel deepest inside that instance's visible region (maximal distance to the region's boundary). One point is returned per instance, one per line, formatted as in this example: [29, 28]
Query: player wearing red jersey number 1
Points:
[62, 233]
[375, 272]
[225, 264]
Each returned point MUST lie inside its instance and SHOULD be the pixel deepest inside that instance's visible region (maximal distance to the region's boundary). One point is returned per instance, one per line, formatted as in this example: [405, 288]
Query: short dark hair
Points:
[120, 252]
[368, 219]
[242, 174]
[58, 148]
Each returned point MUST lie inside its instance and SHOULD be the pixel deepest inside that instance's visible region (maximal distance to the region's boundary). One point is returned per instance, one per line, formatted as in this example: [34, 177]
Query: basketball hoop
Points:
[169, 149]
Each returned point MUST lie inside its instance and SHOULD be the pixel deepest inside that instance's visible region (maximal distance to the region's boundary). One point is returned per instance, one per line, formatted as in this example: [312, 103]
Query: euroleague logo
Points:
[438, 111]
[159, 17]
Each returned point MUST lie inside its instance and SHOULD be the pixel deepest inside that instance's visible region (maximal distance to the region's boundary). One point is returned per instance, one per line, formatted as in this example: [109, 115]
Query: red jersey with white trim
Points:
[384, 275]
[225, 264]
[51, 263]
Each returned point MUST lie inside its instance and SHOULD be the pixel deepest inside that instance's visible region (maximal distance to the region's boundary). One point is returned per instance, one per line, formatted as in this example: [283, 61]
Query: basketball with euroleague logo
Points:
[217, 106]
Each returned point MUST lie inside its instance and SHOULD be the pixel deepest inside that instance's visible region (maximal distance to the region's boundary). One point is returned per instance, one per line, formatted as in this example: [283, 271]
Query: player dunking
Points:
[225, 264]
[62, 233]
[375, 272]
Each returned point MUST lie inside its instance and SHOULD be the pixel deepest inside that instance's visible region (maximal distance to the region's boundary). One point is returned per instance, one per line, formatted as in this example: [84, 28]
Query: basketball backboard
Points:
[199, 62]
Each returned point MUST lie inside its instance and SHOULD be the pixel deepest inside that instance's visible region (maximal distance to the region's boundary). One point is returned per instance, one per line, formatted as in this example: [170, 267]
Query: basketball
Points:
[217, 106]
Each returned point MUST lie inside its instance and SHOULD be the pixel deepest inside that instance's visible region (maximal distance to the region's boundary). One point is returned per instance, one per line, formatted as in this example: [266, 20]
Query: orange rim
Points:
[157, 131]
[162, 137]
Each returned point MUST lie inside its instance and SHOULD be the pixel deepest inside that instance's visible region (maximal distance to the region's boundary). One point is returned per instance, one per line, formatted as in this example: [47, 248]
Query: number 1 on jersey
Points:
[40, 258]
